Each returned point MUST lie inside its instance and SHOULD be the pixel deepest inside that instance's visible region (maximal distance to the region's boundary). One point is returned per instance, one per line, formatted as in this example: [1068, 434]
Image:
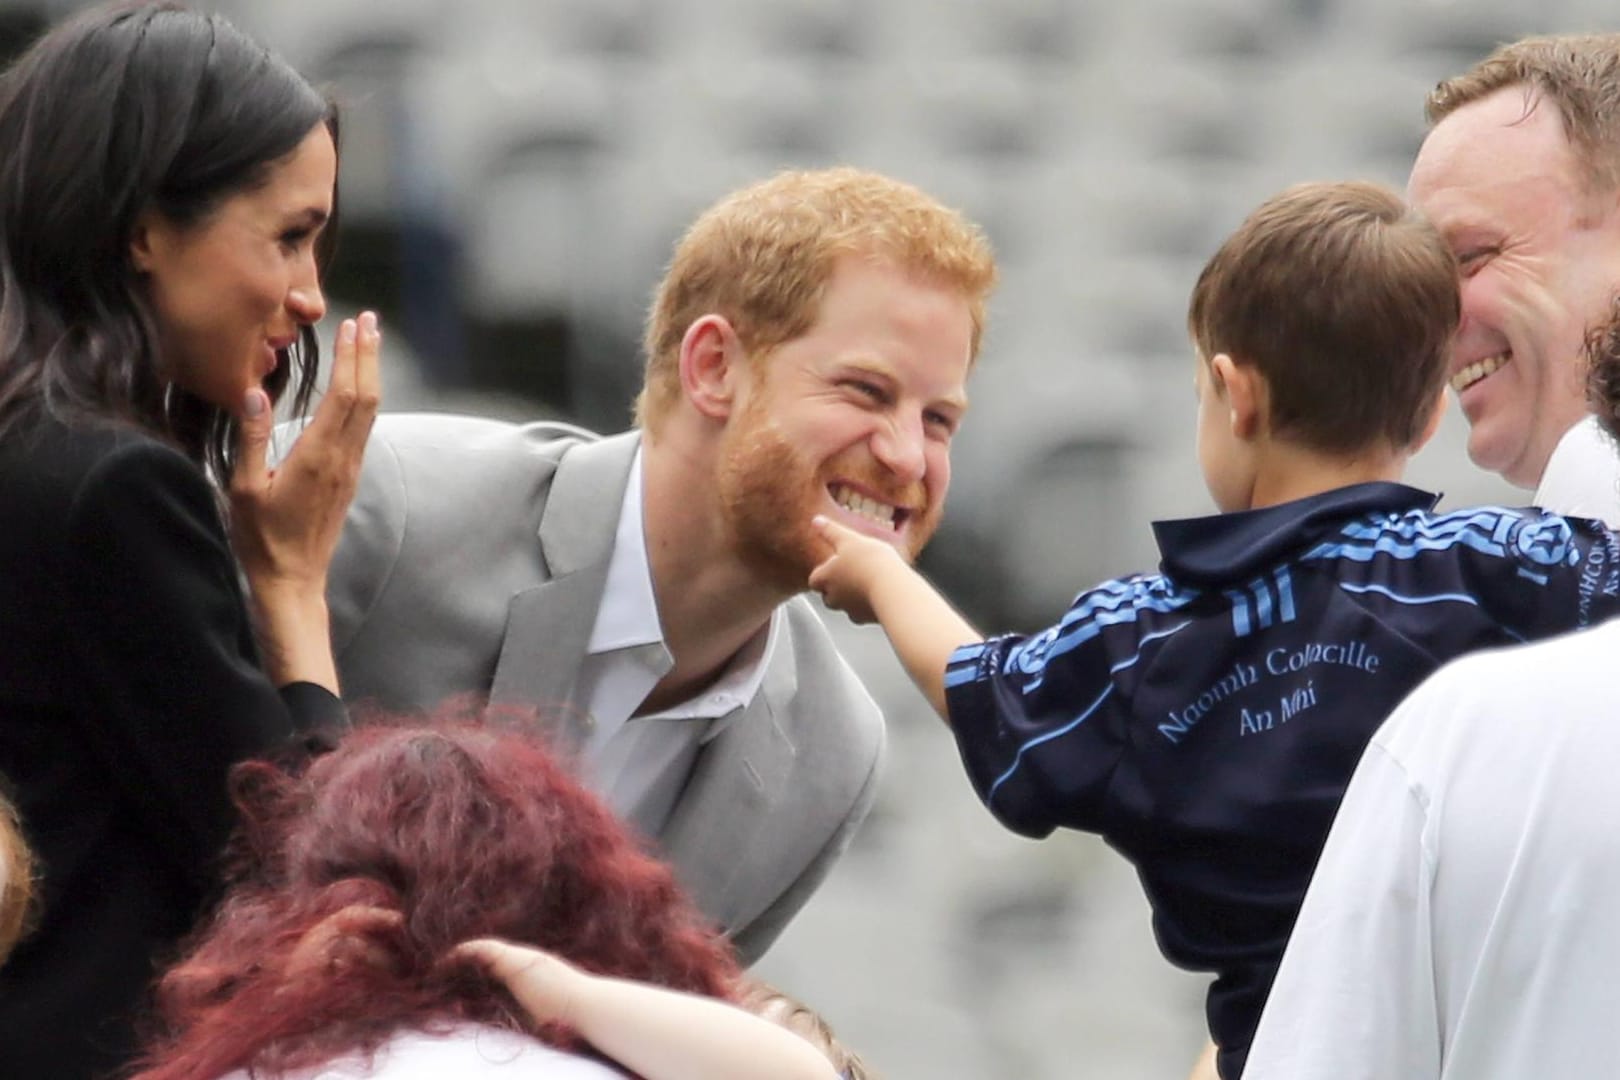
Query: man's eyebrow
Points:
[881, 369]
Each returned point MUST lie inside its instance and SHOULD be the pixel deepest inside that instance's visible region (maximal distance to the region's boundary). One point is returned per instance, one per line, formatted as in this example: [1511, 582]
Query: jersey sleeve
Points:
[1040, 720]
[1525, 573]
[171, 692]
[1542, 574]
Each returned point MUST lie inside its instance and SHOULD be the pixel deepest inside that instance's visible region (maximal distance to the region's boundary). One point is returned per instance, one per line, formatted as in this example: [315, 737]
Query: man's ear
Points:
[1437, 413]
[1246, 394]
[711, 360]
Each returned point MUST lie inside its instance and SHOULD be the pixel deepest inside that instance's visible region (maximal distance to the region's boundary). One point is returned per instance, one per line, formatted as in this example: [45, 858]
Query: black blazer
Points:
[129, 683]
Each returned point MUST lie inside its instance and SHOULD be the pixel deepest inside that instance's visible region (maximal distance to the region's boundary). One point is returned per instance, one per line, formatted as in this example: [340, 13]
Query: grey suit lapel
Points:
[549, 626]
[730, 815]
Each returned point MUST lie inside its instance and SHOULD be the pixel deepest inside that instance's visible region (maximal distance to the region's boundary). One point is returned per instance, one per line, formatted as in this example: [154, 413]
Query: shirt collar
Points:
[628, 615]
[1219, 548]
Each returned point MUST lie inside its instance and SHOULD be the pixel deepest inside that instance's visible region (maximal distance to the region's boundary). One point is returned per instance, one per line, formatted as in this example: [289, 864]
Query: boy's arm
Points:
[869, 580]
[655, 1032]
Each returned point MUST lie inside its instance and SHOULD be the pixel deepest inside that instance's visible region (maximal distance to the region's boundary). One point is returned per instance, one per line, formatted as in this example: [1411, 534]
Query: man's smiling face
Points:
[853, 419]
[1539, 257]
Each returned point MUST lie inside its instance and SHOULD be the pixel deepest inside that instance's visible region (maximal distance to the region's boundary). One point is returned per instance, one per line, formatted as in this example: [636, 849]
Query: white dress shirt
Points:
[1582, 478]
[640, 763]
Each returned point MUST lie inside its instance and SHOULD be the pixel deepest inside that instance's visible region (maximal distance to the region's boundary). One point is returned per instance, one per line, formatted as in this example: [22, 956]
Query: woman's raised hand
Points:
[285, 521]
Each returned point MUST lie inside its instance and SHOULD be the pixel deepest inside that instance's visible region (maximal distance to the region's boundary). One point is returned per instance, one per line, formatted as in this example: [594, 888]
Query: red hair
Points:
[467, 830]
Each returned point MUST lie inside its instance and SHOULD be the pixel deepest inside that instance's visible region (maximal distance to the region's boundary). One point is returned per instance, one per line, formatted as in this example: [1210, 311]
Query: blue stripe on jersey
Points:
[1240, 612]
[1437, 598]
[1405, 537]
[1262, 603]
[1018, 758]
[1494, 521]
[1392, 545]
[1285, 593]
[1077, 721]
[1155, 636]
[1156, 594]
[1071, 636]
[1461, 598]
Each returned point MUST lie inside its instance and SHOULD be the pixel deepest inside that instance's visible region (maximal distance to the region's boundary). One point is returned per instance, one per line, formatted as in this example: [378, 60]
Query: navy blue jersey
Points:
[1206, 720]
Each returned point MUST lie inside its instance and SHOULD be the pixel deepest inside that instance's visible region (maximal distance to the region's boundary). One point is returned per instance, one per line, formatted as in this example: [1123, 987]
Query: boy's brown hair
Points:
[1578, 73]
[1346, 301]
[762, 256]
[784, 1010]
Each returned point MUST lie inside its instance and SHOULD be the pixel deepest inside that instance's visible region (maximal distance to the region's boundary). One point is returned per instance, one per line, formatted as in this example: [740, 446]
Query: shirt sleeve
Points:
[1354, 998]
[171, 693]
[1038, 720]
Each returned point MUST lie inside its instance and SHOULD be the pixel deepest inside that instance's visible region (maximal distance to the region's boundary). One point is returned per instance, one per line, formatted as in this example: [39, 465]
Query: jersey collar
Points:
[1218, 548]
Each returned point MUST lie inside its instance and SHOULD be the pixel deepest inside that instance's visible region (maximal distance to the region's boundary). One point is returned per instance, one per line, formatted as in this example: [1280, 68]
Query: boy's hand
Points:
[548, 987]
[845, 579]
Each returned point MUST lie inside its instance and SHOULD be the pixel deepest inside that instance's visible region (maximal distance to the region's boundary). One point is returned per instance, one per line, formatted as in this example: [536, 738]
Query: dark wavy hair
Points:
[123, 109]
[467, 830]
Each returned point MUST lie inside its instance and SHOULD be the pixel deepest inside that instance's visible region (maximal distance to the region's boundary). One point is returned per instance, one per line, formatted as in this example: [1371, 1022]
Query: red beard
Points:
[769, 492]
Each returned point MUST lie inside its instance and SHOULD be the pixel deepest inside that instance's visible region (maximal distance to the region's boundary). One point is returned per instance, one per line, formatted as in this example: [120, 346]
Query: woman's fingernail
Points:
[254, 404]
[346, 332]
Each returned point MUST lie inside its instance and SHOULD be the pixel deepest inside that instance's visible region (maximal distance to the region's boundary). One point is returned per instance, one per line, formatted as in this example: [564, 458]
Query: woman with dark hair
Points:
[443, 835]
[166, 191]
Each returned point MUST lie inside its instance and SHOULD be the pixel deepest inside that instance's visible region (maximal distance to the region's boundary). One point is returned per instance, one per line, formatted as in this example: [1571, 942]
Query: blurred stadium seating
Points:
[514, 174]
[516, 170]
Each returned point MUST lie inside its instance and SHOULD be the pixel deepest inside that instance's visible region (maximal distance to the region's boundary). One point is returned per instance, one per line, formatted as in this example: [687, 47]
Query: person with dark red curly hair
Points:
[340, 949]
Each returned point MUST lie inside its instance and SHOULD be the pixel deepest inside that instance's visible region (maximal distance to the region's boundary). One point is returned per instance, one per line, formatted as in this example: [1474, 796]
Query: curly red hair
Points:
[467, 830]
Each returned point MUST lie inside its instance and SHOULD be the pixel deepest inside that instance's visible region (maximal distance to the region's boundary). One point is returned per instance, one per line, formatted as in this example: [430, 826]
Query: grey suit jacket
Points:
[474, 559]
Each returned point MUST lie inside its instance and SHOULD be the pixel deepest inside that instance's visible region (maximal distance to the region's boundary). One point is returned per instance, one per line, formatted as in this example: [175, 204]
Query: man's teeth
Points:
[1476, 371]
[879, 513]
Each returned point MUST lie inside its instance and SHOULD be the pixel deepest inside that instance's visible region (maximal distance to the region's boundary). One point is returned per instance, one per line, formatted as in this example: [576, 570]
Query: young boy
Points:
[1206, 719]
